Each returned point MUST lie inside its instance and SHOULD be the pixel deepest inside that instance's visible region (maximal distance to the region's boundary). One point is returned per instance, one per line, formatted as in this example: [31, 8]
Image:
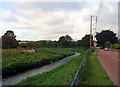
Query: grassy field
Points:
[62, 75]
[16, 60]
[94, 74]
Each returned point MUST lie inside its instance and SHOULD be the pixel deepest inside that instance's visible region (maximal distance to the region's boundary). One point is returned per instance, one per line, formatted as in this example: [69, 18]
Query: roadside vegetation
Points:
[112, 46]
[116, 46]
[62, 75]
[94, 72]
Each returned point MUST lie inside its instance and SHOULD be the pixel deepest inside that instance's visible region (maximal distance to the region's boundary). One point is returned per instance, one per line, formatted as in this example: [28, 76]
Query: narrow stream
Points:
[17, 78]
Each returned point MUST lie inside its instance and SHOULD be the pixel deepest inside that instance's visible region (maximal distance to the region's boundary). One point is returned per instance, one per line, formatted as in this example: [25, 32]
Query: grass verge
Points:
[62, 75]
[94, 73]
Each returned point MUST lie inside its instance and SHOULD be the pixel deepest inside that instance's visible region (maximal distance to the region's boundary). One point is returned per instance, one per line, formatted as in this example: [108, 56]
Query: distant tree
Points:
[108, 44]
[10, 33]
[73, 44]
[47, 43]
[65, 41]
[55, 44]
[85, 41]
[51, 44]
[32, 45]
[104, 36]
[9, 41]
[41, 43]
[119, 41]
[62, 41]
[68, 38]
[79, 42]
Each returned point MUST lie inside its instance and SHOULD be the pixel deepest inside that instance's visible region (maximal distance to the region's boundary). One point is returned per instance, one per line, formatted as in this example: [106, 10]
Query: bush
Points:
[116, 46]
[9, 42]
[108, 44]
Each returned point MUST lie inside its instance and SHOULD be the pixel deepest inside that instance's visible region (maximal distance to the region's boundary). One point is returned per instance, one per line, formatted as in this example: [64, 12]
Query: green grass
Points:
[62, 75]
[22, 42]
[95, 74]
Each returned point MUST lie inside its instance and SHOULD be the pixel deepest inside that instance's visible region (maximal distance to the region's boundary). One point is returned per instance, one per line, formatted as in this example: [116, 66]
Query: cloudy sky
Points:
[36, 20]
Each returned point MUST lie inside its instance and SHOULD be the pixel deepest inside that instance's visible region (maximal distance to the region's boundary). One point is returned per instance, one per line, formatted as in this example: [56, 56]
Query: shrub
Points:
[108, 44]
[9, 42]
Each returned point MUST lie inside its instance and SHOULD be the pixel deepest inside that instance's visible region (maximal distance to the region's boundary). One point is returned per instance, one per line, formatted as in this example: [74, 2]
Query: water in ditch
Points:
[18, 77]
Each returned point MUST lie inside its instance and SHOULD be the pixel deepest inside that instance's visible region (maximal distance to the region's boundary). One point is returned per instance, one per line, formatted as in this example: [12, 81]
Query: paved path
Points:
[17, 78]
[110, 61]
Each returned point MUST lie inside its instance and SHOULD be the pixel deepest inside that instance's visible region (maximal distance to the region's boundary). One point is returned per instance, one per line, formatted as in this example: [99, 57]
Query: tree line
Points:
[106, 36]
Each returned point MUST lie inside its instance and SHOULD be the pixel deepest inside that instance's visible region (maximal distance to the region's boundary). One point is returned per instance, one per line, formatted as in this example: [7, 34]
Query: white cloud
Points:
[7, 16]
[108, 19]
[58, 1]
[37, 23]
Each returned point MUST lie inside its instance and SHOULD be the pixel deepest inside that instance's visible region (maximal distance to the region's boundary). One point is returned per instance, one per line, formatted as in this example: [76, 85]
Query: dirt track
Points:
[111, 63]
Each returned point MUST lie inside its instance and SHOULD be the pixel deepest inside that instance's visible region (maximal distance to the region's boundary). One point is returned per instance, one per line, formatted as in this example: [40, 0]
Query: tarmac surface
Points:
[110, 60]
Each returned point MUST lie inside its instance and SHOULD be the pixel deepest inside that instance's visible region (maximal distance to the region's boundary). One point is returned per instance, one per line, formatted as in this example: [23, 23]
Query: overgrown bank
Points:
[17, 60]
[62, 75]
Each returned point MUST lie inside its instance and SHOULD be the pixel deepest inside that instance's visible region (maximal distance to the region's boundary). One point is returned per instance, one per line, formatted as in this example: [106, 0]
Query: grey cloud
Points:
[54, 6]
[109, 19]
[7, 16]
[52, 20]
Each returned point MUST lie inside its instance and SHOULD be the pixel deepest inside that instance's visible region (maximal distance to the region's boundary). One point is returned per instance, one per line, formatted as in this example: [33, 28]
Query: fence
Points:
[78, 74]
